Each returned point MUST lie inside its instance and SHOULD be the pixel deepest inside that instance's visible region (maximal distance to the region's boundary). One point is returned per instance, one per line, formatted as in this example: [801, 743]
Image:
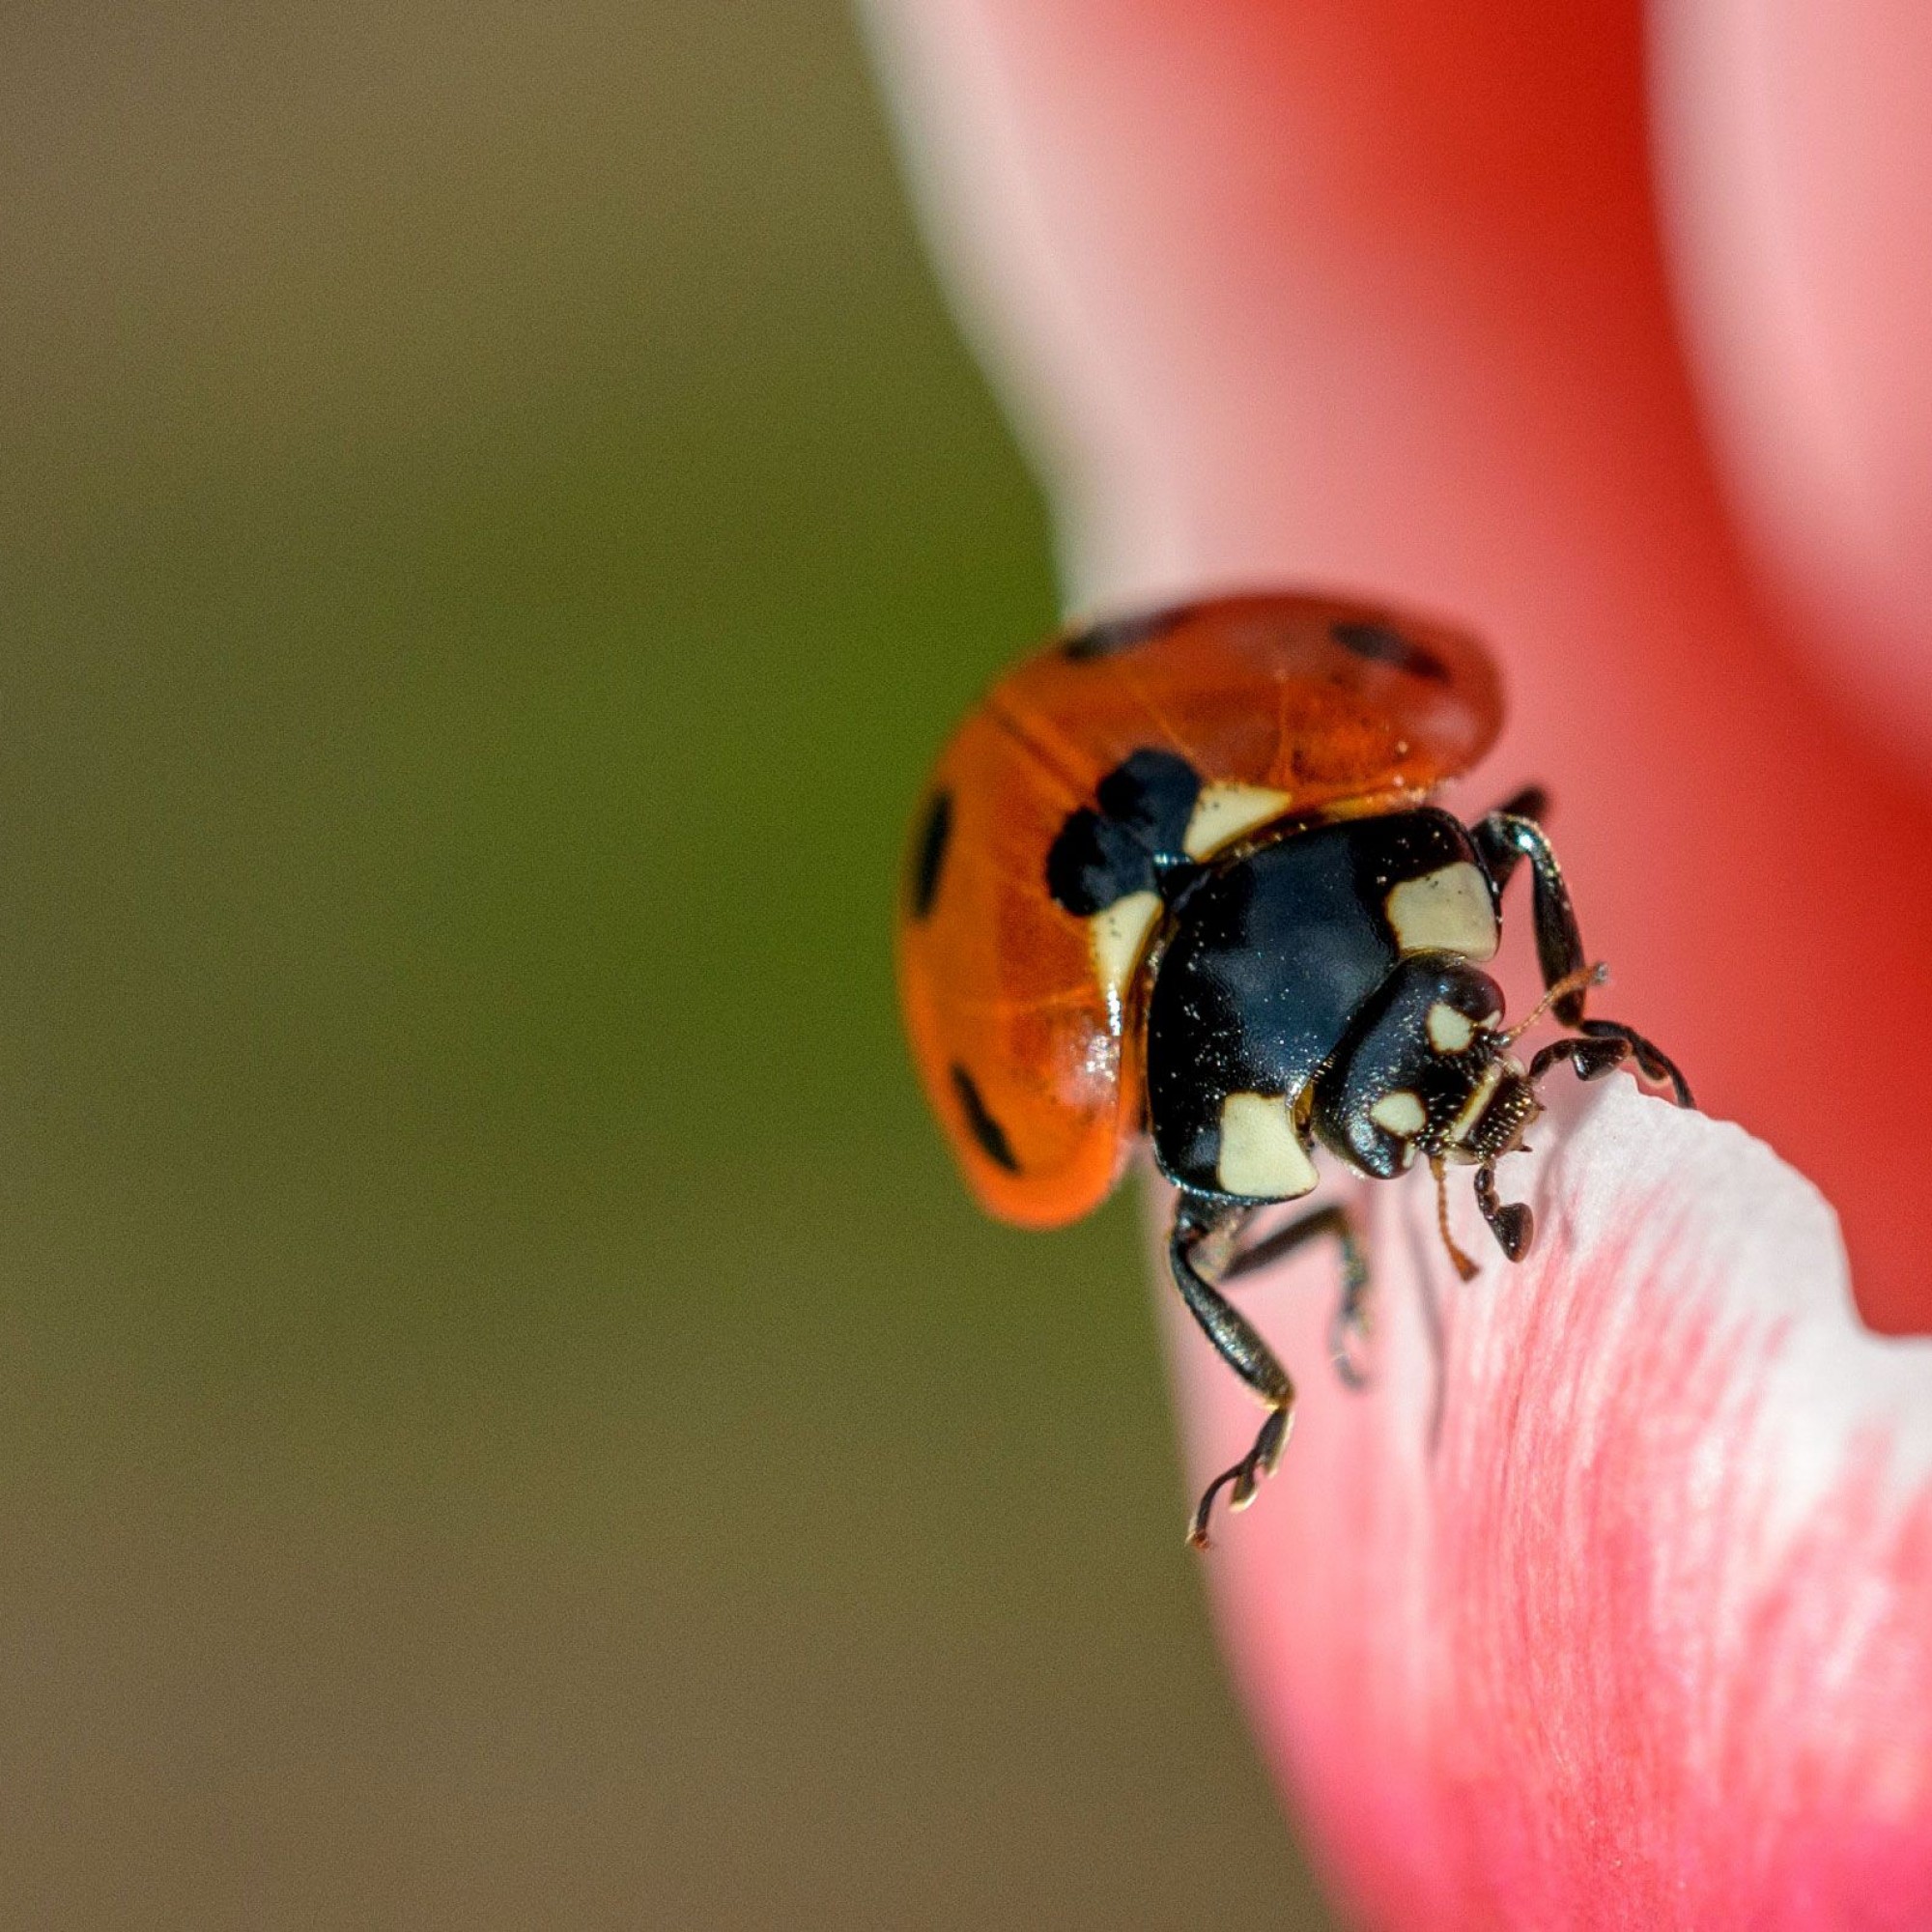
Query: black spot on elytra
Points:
[1094, 861]
[987, 1131]
[1109, 638]
[1380, 644]
[928, 854]
[1133, 842]
[1152, 794]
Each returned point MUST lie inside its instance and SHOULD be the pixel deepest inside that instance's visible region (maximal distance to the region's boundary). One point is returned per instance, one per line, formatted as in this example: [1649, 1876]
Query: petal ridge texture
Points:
[1611, 1603]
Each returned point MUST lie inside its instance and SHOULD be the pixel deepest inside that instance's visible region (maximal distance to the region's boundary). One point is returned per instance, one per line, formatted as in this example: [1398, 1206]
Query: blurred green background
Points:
[506, 1418]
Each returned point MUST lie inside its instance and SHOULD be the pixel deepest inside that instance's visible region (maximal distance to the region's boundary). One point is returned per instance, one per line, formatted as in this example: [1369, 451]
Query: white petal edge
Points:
[1605, 1488]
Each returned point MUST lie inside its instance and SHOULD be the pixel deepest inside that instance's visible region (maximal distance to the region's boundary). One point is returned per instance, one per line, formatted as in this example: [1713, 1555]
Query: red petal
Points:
[1368, 291]
[1611, 1603]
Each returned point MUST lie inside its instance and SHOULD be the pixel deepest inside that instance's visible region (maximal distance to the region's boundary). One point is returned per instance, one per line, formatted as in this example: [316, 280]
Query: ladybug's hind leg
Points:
[1349, 1329]
[1204, 1223]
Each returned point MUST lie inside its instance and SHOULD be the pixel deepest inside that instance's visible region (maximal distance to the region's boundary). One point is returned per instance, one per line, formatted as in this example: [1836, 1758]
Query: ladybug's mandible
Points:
[1179, 875]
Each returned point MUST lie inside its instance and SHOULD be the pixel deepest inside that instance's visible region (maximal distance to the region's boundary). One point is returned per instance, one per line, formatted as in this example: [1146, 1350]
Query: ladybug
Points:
[1179, 878]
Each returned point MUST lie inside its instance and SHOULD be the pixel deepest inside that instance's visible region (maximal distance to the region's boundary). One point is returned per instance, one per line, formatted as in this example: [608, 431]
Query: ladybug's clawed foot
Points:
[1244, 1478]
[1604, 1045]
[1655, 1065]
[1199, 1227]
[1510, 1221]
[1589, 1059]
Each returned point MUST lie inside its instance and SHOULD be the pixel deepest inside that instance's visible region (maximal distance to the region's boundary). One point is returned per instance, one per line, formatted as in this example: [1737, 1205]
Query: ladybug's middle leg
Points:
[1199, 1222]
[1349, 1328]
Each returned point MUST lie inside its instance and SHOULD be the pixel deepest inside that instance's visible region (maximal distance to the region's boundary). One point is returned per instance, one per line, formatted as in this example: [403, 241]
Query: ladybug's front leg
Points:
[1201, 1221]
[1606, 1045]
[1507, 834]
[1532, 803]
[1502, 838]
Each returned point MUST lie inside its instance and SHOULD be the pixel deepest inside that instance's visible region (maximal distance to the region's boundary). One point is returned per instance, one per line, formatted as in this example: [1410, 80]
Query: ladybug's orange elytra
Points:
[1020, 1011]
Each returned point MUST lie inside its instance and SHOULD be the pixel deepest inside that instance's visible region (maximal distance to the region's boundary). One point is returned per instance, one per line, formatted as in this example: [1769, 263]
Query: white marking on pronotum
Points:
[1262, 1155]
[1118, 936]
[1444, 910]
[1449, 1030]
[1401, 1113]
[1224, 811]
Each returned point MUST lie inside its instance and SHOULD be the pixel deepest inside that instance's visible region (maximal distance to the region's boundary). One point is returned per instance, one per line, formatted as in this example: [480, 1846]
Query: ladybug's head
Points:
[1427, 1070]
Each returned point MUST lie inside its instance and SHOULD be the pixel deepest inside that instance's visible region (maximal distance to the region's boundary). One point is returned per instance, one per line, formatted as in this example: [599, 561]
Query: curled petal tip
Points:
[1630, 1548]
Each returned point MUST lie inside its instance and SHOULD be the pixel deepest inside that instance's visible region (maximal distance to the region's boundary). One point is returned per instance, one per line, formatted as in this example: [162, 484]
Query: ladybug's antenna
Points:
[1464, 1266]
[1579, 982]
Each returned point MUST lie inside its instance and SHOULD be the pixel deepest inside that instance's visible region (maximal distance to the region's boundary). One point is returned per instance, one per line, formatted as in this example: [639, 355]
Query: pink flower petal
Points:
[1799, 136]
[1610, 1603]
[1368, 292]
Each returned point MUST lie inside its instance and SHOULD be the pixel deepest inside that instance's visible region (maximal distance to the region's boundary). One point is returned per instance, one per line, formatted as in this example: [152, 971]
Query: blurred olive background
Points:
[506, 1418]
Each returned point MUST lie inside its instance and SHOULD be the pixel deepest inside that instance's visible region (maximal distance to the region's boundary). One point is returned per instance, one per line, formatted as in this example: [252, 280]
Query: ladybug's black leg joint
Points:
[1348, 1331]
[1200, 1222]
[1499, 854]
[1508, 834]
[1510, 1221]
[1505, 836]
